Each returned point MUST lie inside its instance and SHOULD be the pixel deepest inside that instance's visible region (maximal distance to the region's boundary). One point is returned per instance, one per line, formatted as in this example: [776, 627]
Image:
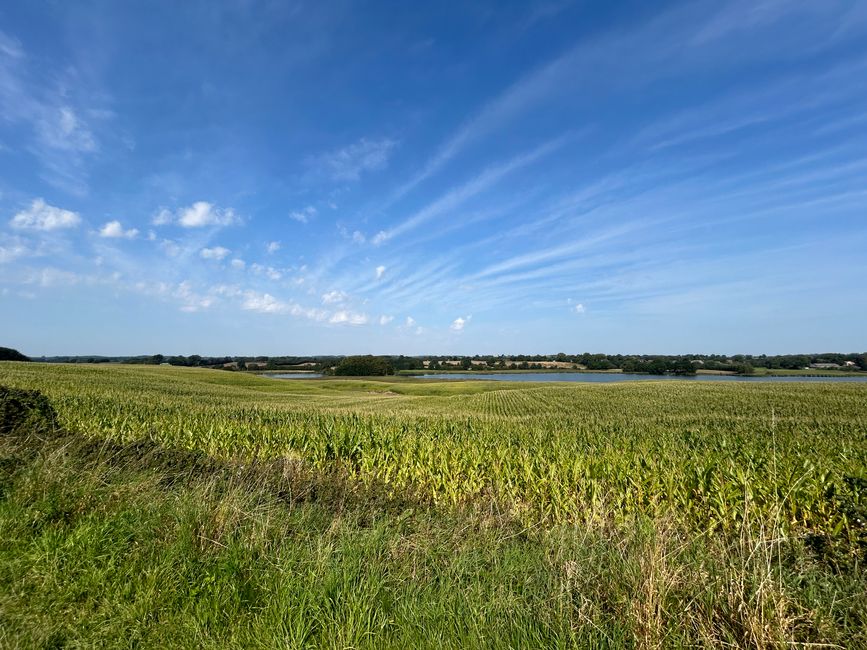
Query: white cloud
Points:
[198, 215]
[202, 213]
[62, 129]
[114, 230]
[348, 318]
[172, 249]
[303, 216]
[162, 218]
[238, 264]
[358, 237]
[215, 253]
[265, 303]
[13, 248]
[273, 247]
[379, 271]
[579, 308]
[41, 216]
[192, 301]
[333, 297]
[10, 46]
[349, 163]
[458, 324]
[52, 277]
[268, 271]
[410, 321]
[385, 319]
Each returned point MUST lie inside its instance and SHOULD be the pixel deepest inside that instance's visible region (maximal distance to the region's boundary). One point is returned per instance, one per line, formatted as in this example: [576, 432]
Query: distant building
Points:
[825, 366]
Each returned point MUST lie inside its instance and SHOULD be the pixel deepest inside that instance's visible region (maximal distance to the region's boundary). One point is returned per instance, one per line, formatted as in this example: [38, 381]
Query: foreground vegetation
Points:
[218, 509]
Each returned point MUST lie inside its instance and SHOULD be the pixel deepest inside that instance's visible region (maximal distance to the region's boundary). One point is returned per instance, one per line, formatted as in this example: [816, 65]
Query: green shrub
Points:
[25, 410]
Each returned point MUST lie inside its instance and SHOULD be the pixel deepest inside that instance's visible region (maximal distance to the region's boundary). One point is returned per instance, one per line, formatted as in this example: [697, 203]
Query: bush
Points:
[24, 411]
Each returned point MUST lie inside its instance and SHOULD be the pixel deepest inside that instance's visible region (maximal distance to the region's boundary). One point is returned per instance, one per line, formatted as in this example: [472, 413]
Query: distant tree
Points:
[466, 364]
[683, 367]
[10, 354]
[364, 366]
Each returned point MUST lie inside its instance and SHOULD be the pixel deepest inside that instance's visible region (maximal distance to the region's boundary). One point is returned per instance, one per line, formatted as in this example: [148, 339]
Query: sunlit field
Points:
[370, 513]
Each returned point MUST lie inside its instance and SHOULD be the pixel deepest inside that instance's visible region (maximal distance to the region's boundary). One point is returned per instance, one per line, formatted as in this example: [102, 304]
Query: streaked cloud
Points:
[350, 163]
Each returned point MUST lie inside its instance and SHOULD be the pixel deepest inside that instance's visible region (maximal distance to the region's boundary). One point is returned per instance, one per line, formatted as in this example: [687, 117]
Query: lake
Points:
[604, 378]
[296, 375]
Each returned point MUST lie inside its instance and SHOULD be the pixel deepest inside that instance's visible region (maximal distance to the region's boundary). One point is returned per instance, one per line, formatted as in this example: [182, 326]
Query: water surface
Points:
[296, 375]
[603, 378]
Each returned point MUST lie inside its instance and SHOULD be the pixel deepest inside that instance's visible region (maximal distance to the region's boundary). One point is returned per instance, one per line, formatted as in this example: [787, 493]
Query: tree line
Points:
[390, 364]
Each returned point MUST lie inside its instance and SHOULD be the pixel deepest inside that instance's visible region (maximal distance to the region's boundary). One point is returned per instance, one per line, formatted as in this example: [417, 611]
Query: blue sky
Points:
[488, 177]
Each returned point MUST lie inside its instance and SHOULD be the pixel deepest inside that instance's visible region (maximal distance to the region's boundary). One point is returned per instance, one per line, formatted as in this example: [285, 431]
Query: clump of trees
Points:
[364, 366]
[10, 354]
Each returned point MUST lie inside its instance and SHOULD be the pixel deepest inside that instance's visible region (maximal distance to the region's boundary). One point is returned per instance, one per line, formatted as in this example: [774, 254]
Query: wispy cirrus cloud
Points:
[351, 162]
[11, 248]
[61, 117]
[482, 182]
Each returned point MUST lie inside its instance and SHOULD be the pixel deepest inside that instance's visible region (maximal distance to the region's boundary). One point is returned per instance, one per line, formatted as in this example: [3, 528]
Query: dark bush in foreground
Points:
[25, 410]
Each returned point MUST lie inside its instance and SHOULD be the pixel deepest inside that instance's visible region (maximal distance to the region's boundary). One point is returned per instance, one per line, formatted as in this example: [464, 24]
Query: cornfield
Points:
[794, 455]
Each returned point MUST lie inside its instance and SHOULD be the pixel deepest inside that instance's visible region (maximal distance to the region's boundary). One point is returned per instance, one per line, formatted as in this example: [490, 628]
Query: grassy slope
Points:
[107, 544]
[111, 545]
